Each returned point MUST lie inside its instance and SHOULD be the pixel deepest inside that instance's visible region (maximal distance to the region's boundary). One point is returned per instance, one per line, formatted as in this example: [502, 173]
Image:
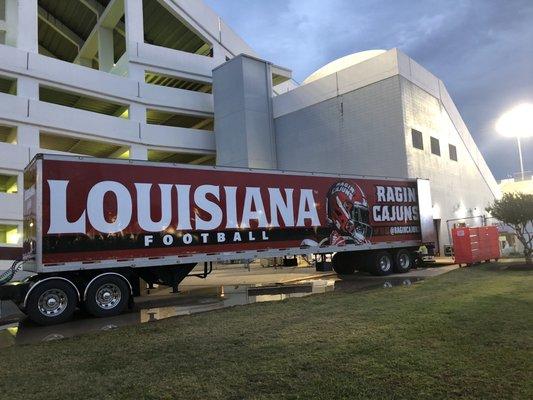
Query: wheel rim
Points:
[384, 263]
[404, 261]
[108, 296]
[52, 302]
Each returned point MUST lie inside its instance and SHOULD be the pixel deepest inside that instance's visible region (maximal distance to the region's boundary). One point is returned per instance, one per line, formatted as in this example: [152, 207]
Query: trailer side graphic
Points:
[93, 228]
[95, 211]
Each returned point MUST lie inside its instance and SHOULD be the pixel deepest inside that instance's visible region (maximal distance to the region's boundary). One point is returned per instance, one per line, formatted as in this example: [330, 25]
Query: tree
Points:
[516, 210]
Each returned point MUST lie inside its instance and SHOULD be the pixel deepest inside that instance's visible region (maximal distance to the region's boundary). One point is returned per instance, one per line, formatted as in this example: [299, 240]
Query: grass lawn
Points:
[466, 334]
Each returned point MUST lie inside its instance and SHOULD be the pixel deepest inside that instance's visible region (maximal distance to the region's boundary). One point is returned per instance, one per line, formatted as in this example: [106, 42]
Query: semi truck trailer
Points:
[94, 228]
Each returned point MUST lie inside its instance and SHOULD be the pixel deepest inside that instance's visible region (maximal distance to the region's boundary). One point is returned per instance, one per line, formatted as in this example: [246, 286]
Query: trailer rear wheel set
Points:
[379, 263]
[54, 300]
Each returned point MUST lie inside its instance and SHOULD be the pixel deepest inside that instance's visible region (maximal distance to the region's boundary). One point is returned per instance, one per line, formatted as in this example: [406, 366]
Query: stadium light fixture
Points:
[518, 123]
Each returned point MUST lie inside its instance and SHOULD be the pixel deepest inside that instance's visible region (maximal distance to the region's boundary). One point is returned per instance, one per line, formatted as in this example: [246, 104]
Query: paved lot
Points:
[227, 286]
[261, 275]
[255, 274]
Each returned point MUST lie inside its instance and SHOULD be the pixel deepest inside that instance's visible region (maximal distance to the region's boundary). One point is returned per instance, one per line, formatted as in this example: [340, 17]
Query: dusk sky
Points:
[481, 49]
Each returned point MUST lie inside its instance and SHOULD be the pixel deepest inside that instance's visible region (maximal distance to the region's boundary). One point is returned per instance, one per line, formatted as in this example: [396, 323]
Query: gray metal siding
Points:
[243, 114]
[360, 132]
[458, 189]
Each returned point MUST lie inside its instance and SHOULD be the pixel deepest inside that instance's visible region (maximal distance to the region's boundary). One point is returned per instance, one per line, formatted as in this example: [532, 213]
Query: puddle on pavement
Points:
[189, 302]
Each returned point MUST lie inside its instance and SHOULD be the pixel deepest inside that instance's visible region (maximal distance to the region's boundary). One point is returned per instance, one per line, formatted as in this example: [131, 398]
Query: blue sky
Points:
[481, 49]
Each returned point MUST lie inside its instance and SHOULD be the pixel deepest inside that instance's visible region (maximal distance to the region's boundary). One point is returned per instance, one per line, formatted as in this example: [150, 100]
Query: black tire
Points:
[52, 302]
[380, 263]
[343, 263]
[106, 296]
[403, 261]
[361, 261]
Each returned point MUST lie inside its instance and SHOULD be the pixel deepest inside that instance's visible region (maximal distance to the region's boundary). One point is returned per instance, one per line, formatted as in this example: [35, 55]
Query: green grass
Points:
[466, 334]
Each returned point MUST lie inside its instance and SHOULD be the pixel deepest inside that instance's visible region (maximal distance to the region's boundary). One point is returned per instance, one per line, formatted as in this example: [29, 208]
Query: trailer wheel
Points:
[107, 295]
[381, 263]
[343, 263]
[403, 261]
[51, 302]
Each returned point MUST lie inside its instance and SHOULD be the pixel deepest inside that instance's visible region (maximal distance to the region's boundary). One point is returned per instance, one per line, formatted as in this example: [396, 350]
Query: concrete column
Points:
[28, 26]
[218, 54]
[106, 56]
[133, 13]
[244, 122]
[28, 88]
[28, 136]
[137, 112]
[86, 62]
[20, 182]
[136, 72]
[138, 153]
[21, 24]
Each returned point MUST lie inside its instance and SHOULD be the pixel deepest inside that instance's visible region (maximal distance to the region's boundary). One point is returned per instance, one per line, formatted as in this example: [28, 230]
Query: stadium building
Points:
[169, 81]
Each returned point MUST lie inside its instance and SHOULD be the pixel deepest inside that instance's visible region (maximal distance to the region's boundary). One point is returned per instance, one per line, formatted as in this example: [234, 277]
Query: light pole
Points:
[518, 123]
[520, 156]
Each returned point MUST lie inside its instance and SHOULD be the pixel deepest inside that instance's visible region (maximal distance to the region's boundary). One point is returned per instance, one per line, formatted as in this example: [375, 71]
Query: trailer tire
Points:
[343, 263]
[107, 295]
[51, 302]
[380, 263]
[403, 261]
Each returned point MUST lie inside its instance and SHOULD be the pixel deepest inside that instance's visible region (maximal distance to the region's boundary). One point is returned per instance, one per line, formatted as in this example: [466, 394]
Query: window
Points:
[154, 78]
[8, 85]
[8, 183]
[156, 117]
[435, 146]
[9, 234]
[453, 152]
[8, 134]
[82, 102]
[181, 158]
[418, 140]
[93, 148]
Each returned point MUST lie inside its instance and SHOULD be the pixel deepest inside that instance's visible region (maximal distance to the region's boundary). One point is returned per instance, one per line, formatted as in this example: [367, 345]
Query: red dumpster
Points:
[472, 245]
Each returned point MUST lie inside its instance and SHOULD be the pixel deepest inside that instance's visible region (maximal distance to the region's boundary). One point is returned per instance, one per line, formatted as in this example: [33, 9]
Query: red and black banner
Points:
[99, 210]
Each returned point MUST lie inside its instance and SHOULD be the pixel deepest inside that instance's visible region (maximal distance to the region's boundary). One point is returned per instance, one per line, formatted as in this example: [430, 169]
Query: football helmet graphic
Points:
[348, 214]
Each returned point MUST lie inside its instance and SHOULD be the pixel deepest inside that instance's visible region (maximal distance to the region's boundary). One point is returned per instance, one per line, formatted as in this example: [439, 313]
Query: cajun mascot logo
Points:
[348, 214]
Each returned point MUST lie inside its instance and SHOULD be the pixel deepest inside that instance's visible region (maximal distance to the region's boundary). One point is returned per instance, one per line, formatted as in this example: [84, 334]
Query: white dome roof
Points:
[342, 63]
